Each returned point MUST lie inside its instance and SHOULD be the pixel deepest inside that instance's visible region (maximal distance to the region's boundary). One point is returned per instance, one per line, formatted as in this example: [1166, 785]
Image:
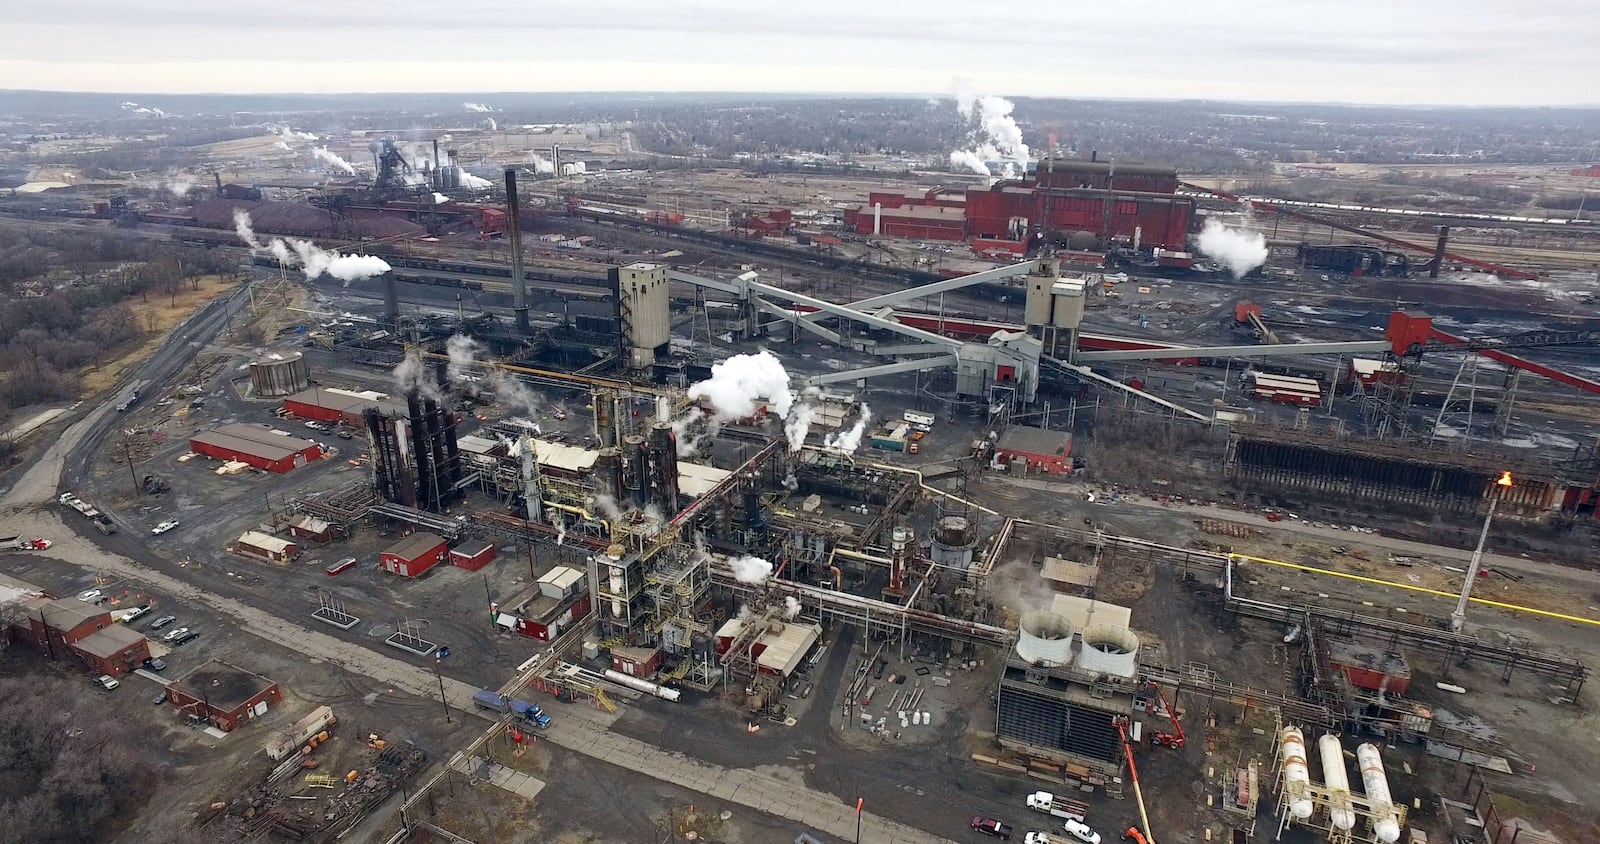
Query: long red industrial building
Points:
[1092, 199]
[263, 448]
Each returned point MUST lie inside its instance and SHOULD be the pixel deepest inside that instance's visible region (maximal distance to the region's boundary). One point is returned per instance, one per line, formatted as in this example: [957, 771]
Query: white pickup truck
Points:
[1060, 807]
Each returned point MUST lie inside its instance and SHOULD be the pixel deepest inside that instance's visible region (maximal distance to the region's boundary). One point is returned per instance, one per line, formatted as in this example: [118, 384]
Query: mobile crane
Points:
[1174, 738]
[1121, 722]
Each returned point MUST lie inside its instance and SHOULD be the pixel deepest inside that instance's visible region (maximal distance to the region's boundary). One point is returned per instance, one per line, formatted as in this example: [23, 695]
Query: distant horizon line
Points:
[896, 95]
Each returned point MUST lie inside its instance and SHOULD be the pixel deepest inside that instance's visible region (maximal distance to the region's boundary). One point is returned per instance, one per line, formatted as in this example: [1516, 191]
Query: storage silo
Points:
[276, 374]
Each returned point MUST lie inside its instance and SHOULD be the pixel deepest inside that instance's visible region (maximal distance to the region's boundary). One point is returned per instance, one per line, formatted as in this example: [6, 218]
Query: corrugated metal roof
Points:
[265, 542]
[695, 479]
[785, 650]
[415, 545]
[1082, 612]
[348, 402]
[1035, 441]
[562, 577]
[562, 456]
[265, 443]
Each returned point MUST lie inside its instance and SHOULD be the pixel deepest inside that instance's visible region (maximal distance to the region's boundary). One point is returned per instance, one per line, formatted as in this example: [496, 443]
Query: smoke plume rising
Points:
[315, 261]
[463, 354]
[752, 570]
[992, 135]
[180, 186]
[476, 107]
[1240, 251]
[791, 607]
[798, 425]
[608, 507]
[290, 135]
[412, 374]
[471, 182]
[333, 159]
[541, 164]
[738, 384]
[513, 395]
[241, 225]
[849, 440]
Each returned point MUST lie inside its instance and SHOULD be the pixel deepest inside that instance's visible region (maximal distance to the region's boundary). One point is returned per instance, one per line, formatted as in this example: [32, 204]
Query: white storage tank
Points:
[1296, 775]
[1109, 649]
[1386, 824]
[1045, 639]
[1337, 779]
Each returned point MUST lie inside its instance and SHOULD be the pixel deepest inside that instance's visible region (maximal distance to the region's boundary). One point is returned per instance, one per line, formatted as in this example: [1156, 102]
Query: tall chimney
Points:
[1438, 252]
[438, 173]
[519, 283]
[555, 158]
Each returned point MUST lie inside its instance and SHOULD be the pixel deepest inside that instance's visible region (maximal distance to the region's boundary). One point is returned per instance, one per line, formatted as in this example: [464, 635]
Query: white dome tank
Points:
[1109, 649]
[1046, 639]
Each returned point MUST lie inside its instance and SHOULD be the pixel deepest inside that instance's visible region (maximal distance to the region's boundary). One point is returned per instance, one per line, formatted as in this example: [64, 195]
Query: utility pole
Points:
[438, 658]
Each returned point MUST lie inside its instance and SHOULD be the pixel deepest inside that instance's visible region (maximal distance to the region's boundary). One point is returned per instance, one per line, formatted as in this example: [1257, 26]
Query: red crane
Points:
[1174, 738]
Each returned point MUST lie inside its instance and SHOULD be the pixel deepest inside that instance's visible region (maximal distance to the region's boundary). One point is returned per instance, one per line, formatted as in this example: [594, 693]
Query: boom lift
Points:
[1174, 738]
[1133, 773]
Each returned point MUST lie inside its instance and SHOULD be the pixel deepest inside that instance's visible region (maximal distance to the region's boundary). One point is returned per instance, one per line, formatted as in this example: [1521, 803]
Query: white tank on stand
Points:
[1385, 825]
[1337, 779]
[1295, 773]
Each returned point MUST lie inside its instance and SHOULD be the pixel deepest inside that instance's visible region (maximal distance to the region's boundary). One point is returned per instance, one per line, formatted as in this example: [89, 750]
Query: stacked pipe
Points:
[635, 469]
[421, 451]
[519, 281]
[438, 473]
[664, 468]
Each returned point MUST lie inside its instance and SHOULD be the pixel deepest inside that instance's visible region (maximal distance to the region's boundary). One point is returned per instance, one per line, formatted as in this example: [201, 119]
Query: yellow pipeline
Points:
[1423, 589]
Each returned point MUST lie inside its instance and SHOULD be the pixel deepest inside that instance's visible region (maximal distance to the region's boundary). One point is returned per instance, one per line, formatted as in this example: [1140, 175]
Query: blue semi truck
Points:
[496, 702]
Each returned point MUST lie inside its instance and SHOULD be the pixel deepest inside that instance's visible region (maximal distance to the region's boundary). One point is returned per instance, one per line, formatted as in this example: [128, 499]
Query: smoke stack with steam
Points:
[519, 282]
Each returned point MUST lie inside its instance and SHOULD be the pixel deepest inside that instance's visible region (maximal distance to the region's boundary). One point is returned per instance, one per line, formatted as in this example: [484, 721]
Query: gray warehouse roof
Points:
[1035, 440]
[266, 443]
[67, 613]
[416, 543]
[110, 641]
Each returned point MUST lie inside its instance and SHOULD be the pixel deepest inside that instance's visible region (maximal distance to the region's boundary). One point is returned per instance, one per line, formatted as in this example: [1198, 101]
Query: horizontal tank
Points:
[1109, 649]
[1296, 775]
[279, 374]
[1385, 824]
[1045, 639]
[1337, 779]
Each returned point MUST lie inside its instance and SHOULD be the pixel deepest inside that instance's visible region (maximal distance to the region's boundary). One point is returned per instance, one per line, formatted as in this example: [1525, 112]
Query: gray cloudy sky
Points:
[1513, 52]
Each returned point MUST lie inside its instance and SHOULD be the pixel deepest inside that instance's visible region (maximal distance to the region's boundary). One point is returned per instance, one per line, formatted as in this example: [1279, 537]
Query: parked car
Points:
[165, 526]
[160, 698]
[1081, 831]
[992, 828]
[340, 566]
[1038, 838]
[343, 434]
[107, 682]
[155, 664]
[162, 622]
[173, 634]
[186, 638]
[90, 595]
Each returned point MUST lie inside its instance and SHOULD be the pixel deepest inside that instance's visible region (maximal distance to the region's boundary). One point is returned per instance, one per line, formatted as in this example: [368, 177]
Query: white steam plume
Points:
[280, 145]
[412, 374]
[315, 261]
[290, 136]
[476, 107]
[439, 198]
[148, 111]
[180, 186]
[791, 607]
[798, 425]
[333, 159]
[739, 383]
[752, 570]
[1239, 251]
[471, 182]
[850, 440]
[541, 164]
[513, 395]
[608, 507]
[992, 134]
[241, 225]
[463, 353]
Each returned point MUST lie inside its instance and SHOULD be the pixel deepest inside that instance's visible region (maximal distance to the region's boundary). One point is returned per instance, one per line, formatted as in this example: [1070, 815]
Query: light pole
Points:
[1459, 617]
[859, 801]
[438, 658]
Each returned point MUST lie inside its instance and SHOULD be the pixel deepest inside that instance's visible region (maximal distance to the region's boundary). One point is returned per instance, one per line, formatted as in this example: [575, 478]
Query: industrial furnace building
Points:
[263, 448]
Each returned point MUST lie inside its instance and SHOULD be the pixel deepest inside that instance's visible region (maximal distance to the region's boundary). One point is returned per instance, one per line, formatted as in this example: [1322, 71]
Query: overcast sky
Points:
[1467, 52]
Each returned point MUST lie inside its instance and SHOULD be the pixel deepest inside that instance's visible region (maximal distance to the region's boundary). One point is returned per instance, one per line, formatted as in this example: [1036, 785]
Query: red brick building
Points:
[115, 650]
[56, 625]
[224, 695]
[415, 554]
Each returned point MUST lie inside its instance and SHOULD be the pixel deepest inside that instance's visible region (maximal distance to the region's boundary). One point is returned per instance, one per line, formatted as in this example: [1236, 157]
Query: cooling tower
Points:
[1045, 640]
[1109, 649]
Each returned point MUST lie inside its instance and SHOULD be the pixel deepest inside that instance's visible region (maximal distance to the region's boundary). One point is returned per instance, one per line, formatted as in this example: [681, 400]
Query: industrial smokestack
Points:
[1094, 155]
[1438, 252]
[877, 218]
[555, 159]
[664, 468]
[391, 300]
[519, 283]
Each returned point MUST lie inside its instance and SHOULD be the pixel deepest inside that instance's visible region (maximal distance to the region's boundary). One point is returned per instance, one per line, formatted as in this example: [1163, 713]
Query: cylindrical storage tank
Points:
[1295, 773]
[1386, 826]
[663, 409]
[279, 374]
[608, 474]
[952, 544]
[1068, 306]
[1045, 638]
[1109, 649]
[605, 426]
[1337, 779]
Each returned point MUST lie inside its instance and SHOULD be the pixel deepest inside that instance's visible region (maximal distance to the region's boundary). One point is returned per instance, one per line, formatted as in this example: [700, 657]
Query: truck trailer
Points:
[1060, 807]
[496, 702]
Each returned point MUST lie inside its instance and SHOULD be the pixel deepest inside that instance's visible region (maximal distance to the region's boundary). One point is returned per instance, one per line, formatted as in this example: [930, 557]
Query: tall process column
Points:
[519, 281]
